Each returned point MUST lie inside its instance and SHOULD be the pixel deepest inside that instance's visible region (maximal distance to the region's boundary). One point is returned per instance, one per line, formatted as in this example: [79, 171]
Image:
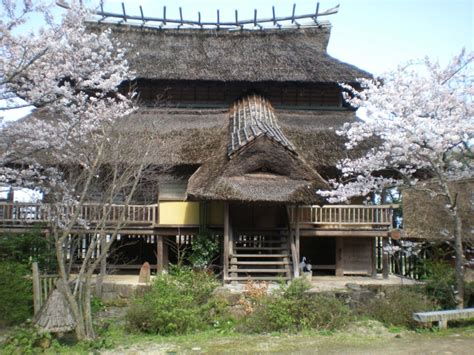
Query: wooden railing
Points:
[23, 213]
[343, 216]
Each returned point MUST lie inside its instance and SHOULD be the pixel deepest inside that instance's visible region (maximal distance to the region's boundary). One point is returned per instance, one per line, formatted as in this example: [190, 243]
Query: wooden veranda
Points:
[259, 253]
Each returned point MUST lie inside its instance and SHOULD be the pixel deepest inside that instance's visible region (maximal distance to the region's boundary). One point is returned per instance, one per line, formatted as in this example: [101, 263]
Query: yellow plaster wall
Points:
[179, 212]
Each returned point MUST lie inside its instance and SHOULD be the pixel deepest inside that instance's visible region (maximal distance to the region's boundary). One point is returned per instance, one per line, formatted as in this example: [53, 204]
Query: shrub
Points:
[254, 293]
[26, 340]
[293, 309]
[16, 293]
[28, 247]
[397, 307]
[440, 283]
[204, 250]
[176, 303]
[469, 294]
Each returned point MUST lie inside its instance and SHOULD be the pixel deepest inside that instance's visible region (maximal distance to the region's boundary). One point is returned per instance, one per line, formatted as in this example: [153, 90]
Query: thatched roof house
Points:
[243, 128]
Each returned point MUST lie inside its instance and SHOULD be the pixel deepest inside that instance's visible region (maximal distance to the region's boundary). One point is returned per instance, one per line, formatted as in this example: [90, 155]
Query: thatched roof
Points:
[271, 55]
[55, 316]
[278, 154]
[178, 136]
[185, 136]
[260, 166]
[426, 217]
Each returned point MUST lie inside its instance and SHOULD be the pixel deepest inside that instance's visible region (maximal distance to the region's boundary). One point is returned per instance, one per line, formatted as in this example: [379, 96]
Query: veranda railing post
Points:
[339, 217]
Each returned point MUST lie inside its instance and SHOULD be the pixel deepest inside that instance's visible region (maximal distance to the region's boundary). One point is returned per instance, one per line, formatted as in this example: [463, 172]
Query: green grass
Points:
[214, 342]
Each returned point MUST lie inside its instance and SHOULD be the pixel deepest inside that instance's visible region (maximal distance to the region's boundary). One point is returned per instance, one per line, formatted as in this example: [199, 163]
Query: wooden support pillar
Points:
[226, 241]
[385, 264]
[339, 256]
[161, 254]
[374, 257]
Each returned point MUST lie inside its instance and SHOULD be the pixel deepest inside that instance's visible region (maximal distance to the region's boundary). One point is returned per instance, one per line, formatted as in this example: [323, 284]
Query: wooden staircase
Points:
[260, 256]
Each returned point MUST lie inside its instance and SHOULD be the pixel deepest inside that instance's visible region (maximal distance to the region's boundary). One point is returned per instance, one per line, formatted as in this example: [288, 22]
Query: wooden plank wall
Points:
[215, 93]
[358, 256]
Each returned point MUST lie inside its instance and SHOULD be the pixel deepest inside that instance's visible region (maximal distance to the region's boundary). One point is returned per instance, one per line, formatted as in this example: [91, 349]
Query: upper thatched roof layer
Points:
[255, 56]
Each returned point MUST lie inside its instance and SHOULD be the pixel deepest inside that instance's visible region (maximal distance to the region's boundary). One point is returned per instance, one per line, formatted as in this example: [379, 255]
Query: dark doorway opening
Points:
[320, 253]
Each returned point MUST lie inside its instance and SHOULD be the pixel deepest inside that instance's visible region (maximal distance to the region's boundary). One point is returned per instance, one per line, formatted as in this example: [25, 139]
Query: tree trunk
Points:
[458, 247]
[103, 269]
[65, 289]
[459, 253]
[86, 308]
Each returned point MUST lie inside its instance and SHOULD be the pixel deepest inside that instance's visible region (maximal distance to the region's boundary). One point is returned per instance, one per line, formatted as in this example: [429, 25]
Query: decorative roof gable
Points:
[251, 118]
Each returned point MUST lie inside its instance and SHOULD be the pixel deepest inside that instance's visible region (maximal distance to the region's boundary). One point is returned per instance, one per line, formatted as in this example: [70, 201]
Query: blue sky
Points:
[375, 35]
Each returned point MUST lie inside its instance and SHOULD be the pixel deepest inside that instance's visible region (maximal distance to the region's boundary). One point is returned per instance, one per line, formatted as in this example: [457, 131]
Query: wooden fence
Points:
[402, 263]
[43, 285]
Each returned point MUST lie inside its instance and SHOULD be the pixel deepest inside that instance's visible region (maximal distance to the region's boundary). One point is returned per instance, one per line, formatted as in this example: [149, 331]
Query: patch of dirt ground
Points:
[368, 338]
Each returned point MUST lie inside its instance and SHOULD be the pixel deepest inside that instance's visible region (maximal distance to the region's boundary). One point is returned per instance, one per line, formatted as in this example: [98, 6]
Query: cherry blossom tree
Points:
[71, 76]
[422, 116]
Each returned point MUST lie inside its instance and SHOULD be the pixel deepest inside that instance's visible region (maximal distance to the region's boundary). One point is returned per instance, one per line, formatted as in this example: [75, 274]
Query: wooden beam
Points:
[342, 233]
[339, 256]
[226, 240]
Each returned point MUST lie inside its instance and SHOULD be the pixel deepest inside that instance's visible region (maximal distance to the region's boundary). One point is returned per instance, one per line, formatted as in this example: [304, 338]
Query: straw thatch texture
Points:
[425, 216]
[55, 315]
[270, 55]
[264, 172]
[314, 134]
[179, 136]
[184, 139]
[192, 136]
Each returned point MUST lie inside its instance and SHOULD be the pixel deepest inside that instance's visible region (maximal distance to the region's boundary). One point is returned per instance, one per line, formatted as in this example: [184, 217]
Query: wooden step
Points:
[268, 271]
[260, 263]
[261, 248]
[260, 256]
[257, 278]
[270, 242]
